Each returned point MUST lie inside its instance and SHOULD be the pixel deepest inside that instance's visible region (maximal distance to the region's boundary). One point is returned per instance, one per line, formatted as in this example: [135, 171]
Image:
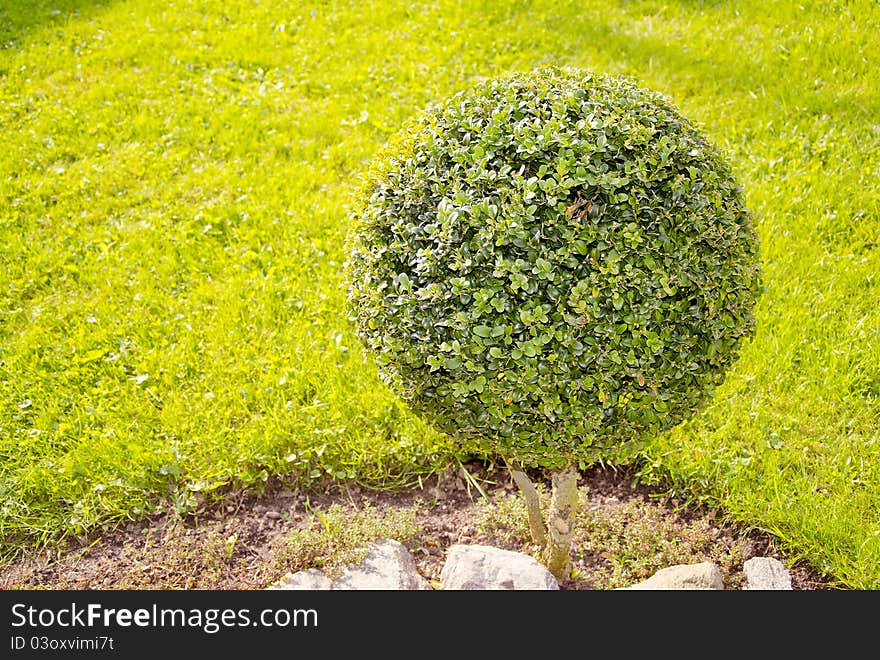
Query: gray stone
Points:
[704, 575]
[480, 567]
[390, 566]
[766, 573]
[309, 580]
[387, 566]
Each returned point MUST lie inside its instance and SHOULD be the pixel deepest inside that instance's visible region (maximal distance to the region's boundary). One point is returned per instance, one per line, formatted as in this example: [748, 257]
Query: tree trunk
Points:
[564, 504]
[533, 505]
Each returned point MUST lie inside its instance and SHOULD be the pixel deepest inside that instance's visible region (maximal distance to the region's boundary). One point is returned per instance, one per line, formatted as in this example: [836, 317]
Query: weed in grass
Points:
[185, 557]
[628, 543]
[339, 535]
[504, 516]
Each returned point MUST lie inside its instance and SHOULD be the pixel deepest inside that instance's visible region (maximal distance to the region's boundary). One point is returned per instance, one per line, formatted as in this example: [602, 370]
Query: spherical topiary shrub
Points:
[551, 265]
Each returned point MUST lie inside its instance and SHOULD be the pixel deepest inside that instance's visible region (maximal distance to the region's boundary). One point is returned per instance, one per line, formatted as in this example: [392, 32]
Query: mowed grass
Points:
[175, 180]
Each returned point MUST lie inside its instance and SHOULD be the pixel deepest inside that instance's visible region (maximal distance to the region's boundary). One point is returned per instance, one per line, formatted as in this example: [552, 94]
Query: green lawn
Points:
[175, 180]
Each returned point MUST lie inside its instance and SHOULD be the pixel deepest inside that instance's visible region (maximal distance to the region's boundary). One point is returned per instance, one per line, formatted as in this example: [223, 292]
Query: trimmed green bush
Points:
[552, 266]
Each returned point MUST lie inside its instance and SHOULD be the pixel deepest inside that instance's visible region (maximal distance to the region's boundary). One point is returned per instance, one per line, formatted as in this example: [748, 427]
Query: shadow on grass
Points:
[19, 18]
[728, 69]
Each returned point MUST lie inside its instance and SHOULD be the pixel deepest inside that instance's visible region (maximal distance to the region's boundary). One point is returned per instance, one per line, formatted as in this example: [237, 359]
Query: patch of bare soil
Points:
[626, 534]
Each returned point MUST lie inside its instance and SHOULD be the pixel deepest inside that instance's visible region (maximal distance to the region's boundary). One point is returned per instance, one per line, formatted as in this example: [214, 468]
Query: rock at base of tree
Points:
[388, 565]
[766, 573]
[704, 575]
[479, 567]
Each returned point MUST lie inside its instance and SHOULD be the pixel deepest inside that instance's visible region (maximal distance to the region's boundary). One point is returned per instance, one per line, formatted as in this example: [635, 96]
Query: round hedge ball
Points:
[552, 265]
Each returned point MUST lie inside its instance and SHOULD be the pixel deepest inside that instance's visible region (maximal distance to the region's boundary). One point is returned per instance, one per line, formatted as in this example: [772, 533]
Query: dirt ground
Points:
[625, 534]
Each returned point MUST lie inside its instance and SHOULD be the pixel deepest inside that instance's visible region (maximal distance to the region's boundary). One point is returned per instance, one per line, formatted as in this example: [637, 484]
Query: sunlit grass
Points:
[174, 187]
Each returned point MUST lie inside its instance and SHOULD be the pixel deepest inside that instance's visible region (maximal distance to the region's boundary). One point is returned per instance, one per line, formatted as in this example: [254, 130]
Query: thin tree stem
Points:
[533, 505]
